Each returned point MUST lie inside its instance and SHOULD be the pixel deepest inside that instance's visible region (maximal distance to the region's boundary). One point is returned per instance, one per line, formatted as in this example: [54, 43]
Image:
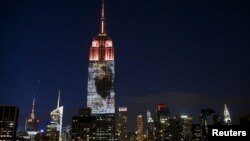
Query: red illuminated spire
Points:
[102, 32]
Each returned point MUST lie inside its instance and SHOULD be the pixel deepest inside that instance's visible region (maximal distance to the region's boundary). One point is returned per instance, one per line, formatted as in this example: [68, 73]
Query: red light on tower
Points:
[161, 106]
[30, 120]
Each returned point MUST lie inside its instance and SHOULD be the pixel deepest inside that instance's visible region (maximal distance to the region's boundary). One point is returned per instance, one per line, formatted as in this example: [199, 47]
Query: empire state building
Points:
[101, 72]
[101, 89]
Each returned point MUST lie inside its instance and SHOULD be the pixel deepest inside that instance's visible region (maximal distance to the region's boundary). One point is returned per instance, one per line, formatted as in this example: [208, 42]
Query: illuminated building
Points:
[101, 94]
[54, 127]
[208, 117]
[8, 122]
[186, 132]
[139, 128]
[122, 124]
[181, 128]
[31, 123]
[227, 117]
[83, 126]
[66, 133]
[175, 128]
[162, 123]
[150, 127]
[105, 128]
[101, 90]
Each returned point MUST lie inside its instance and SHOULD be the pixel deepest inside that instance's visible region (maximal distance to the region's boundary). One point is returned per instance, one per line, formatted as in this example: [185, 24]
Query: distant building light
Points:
[41, 130]
[122, 109]
[32, 132]
[184, 116]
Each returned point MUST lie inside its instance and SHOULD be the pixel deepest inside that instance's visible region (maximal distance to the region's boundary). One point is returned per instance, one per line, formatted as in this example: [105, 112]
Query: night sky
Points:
[187, 54]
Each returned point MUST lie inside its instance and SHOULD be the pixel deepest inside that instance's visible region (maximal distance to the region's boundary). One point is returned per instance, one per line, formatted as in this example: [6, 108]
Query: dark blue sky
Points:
[186, 54]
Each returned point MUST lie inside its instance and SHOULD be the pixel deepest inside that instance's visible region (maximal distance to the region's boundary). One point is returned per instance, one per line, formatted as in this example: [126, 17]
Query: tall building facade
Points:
[54, 127]
[181, 128]
[196, 132]
[186, 132]
[31, 123]
[83, 126]
[101, 89]
[140, 128]
[8, 122]
[150, 127]
[162, 123]
[122, 124]
[101, 85]
[208, 117]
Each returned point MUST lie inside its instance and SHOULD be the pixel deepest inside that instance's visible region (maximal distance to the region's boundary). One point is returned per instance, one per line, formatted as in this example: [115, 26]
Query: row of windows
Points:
[99, 54]
[96, 43]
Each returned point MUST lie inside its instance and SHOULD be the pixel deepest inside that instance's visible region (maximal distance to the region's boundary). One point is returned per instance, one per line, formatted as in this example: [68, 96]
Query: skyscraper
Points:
[162, 123]
[208, 117]
[196, 132]
[31, 123]
[181, 128]
[8, 122]
[55, 126]
[139, 128]
[186, 122]
[83, 126]
[122, 123]
[101, 89]
[150, 127]
[227, 117]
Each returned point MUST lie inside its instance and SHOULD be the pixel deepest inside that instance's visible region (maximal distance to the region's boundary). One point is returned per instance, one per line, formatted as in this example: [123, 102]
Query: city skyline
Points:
[189, 56]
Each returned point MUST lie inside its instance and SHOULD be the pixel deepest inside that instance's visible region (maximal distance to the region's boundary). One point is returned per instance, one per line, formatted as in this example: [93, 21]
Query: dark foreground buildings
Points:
[83, 126]
[122, 123]
[8, 122]
[208, 117]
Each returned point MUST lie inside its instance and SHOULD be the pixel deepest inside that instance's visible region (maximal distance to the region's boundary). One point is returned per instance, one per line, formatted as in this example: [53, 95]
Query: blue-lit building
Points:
[208, 117]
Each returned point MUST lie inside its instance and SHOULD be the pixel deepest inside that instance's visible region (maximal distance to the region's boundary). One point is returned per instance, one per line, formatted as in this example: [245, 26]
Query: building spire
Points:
[33, 108]
[33, 105]
[102, 20]
[58, 100]
[102, 8]
[227, 117]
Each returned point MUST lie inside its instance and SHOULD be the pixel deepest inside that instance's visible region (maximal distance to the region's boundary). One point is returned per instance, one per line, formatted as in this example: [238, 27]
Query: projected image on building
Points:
[101, 95]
